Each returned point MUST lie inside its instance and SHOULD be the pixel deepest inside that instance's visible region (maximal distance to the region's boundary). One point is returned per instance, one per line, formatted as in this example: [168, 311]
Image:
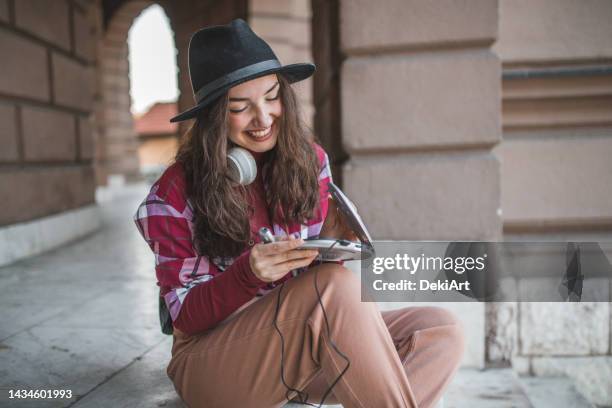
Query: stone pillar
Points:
[420, 97]
[556, 171]
[46, 101]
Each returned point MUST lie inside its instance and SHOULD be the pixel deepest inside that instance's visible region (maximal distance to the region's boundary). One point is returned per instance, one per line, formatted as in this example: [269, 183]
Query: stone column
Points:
[420, 107]
[556, 172]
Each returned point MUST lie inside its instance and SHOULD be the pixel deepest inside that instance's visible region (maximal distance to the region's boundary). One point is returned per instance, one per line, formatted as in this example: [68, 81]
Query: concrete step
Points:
[473, 388]
[553, 392]
[491, 388]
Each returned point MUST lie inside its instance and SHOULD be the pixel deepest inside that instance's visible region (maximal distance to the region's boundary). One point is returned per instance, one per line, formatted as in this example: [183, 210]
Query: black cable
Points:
[303, 395]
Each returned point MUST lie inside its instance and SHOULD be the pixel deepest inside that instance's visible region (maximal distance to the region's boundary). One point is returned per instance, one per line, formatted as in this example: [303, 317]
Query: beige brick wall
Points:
[37, 191]
[370, 27]
[86, 139]
[420, 110]
[418, 102]
[72, 83]
[45, 93]
[556, 167]
[26, 73]
[447, 196]
[554, 30]
[84, 34]
[420, 123]
[557, 178]
[9, 138]
[48, 22]
[48, 135]
[557, 114]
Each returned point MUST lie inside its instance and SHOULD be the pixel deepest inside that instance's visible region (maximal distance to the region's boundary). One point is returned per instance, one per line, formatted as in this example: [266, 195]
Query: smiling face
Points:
[254, 113]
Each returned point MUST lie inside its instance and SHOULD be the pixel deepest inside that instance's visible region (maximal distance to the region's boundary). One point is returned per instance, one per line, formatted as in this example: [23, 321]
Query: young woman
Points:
[252, 320]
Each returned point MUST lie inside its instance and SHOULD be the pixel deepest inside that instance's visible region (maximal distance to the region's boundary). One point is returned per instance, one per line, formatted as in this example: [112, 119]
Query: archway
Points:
[117, 147]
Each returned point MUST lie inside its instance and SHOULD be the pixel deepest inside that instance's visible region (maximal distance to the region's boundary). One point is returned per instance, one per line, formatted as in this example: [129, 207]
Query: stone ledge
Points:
[30, 238]
[553, 392]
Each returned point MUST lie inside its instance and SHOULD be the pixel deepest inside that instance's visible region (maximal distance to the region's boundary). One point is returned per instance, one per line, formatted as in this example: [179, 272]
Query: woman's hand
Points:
[270, 262]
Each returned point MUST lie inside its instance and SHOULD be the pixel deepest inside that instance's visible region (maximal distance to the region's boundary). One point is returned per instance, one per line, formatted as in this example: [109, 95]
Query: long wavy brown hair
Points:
[220, 206]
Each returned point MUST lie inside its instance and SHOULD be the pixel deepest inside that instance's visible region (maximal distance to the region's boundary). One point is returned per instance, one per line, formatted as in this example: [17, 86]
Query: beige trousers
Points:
[399, 358]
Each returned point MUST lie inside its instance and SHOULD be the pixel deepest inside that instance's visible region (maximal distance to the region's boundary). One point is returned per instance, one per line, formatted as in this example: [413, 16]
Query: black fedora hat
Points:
[221, 57]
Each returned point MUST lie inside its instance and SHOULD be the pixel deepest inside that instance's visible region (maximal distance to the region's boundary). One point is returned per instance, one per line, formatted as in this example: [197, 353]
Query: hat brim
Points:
[292, 72]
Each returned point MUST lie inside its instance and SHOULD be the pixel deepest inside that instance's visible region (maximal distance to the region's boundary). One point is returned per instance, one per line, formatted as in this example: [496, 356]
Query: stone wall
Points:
[420, 97]
[557, 115]
[556, 172]
[47, 91]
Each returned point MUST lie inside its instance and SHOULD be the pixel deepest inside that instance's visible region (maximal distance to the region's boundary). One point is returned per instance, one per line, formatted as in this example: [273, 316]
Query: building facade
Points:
[467, 120]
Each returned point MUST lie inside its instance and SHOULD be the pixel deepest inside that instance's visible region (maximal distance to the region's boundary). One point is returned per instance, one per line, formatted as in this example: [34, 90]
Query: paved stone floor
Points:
[84, 318]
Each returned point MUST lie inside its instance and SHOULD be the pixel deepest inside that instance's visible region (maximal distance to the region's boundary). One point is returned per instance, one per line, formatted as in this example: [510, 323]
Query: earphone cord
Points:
[303, 395]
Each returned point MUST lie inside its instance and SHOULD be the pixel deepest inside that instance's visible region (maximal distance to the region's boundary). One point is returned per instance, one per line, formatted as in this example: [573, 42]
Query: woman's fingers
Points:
[274, 260]
[280, 246]
[281, 269]
[282, 258]
[292, 255]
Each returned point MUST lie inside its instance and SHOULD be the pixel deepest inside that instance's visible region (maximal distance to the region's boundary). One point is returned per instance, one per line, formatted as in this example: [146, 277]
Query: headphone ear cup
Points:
[242, 166]
[234, 169]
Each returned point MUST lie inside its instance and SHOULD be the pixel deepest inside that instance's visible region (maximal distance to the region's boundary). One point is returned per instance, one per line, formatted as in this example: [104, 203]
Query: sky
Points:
[152, 58]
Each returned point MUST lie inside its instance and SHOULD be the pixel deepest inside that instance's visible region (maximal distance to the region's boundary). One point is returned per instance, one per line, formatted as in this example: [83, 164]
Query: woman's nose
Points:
[263, 117]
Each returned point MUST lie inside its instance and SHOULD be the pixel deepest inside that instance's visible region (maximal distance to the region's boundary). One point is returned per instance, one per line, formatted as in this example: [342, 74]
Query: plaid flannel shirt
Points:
[165, 220]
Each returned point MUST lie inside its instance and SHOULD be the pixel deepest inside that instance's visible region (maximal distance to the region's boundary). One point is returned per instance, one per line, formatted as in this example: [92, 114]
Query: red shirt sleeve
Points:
[198, 294]
[211, 302]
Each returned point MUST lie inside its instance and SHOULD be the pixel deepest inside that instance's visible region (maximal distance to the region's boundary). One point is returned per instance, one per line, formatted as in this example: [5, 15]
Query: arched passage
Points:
[118, 144]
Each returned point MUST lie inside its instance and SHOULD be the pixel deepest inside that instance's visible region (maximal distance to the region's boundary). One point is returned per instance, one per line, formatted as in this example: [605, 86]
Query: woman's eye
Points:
[238, 110]
[275, 98]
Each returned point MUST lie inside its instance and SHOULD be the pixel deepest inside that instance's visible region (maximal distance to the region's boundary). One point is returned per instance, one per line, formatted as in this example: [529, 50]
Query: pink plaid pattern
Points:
[165, 220]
